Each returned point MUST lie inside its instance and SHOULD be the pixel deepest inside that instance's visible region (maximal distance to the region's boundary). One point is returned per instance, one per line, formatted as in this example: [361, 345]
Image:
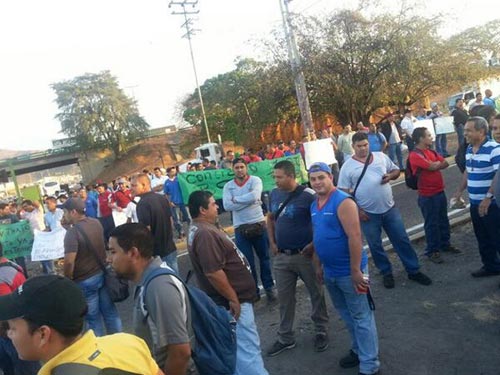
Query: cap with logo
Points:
[50, 300]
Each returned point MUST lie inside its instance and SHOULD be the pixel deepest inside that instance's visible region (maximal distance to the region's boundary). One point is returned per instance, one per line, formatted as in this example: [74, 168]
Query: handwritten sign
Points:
[319, 151]
[214, 180]
[16, 239]
[444, 125]
[48, 245]
[429, 125]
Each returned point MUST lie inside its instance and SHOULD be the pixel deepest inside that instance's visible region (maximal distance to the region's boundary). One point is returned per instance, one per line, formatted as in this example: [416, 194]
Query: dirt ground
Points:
[449, 328]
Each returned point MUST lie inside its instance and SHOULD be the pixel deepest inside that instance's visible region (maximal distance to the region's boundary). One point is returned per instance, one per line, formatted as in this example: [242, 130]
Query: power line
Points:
[188, 23]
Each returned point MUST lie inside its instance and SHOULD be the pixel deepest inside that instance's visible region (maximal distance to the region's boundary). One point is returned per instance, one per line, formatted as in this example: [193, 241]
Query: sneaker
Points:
[278, 347]
[435, 257]
[350, 360]
[420, 278]
[389, 281]
[452, 249]
[320, 342]
[271, 296]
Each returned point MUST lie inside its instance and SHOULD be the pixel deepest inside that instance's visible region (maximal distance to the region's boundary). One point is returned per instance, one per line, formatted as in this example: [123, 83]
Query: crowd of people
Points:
[62, 324]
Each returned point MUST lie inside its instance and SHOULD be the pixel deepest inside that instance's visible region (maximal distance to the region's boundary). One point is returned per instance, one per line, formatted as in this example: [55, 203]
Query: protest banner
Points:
[215, 179]
[429, 125]
[17, 239]
[319, 151]
[48, 245]
[444, 125]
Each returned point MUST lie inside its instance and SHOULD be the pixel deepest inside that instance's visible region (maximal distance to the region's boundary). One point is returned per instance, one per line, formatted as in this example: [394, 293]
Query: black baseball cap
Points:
[50, 300]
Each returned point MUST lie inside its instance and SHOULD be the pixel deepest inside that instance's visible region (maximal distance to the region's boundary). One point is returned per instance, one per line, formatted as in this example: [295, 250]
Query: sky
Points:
[141, 43]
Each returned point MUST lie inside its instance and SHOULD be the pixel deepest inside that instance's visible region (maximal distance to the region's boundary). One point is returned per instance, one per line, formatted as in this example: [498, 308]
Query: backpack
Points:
[411, 177]
[214, 328]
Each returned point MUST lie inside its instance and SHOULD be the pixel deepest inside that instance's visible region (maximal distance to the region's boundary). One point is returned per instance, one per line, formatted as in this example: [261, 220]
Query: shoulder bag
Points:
[367, 162]
[118, 288]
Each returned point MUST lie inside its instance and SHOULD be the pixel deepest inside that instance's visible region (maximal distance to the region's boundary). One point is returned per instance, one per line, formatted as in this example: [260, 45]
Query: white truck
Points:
[468, 93]
[210, 151]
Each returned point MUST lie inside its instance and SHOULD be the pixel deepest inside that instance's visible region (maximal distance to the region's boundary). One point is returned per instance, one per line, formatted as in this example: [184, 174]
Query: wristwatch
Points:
[489, 195]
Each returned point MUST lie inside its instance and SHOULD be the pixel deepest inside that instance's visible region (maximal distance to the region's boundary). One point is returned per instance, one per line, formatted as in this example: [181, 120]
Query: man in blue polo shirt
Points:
[481, 161]
[343, 266]
[172, 190]
[290, 240]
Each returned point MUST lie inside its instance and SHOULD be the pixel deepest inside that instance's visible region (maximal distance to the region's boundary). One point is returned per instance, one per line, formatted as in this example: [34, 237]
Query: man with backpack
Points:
[161, 317]
[426, 164]
[366, 176]
[224, 274]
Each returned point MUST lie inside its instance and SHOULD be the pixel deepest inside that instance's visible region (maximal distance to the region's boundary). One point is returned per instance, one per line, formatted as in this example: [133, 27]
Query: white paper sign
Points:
[119, 217]
[429, 125]
[48, 245]
[444, 125]
[319, 151]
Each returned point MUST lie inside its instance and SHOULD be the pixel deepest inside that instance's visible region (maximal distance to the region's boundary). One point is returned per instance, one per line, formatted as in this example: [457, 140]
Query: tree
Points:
[354, 62]
[97, 113]
[240, 103]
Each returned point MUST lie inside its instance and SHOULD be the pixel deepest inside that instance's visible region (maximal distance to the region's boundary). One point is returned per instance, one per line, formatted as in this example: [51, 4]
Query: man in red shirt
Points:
[273, 152]
[431, 196]
[104, 211]
[122, 196]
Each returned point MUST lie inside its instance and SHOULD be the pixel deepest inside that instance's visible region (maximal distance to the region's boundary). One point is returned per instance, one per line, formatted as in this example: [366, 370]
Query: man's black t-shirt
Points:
[153, 210]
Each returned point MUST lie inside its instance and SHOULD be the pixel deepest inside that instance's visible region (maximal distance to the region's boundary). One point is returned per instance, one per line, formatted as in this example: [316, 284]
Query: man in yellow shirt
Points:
[46, 317]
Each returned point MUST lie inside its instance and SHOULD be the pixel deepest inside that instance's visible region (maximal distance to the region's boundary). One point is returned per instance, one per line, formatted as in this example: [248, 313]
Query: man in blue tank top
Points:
[342, 265]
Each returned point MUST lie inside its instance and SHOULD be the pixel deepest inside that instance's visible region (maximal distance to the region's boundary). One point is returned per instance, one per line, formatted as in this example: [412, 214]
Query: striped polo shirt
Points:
[481, 168]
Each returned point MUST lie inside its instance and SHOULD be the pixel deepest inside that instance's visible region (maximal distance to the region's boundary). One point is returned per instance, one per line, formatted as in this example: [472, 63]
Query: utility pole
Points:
[189, 32]
[298, 74]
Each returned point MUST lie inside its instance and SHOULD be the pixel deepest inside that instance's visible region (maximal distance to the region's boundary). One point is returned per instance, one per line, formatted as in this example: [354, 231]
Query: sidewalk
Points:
[449, 328]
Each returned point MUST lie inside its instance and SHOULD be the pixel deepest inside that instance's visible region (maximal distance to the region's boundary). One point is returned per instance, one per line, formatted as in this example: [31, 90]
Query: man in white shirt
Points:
[377, 210]
[158, 181]
[32, 211]
[408, 124]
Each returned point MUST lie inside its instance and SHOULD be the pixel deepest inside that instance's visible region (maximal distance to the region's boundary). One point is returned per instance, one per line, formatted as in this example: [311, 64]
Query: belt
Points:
[290, 251]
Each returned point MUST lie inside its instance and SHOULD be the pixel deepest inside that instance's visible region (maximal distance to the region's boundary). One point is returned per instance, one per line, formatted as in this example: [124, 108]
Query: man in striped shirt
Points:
[482, 161]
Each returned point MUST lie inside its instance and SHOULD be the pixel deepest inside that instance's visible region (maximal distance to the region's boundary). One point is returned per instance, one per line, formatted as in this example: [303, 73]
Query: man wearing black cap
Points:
[46, 317]
[84, 260]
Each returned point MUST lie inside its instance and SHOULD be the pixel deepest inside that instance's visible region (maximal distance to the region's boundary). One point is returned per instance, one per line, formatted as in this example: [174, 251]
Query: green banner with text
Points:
[214, 180]
[16, 239]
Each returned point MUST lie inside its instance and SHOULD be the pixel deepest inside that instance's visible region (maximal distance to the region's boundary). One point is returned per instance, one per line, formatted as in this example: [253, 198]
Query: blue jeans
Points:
[393, 225]
[180, 215]
[248, 354]
[171, 260]
[359, 319]
[395, 151]
[48, 267]
[436, 224]
[10, 363]
[100, 306]
[261, 246]
[460, 133]
[486, 229]
[441, 144]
